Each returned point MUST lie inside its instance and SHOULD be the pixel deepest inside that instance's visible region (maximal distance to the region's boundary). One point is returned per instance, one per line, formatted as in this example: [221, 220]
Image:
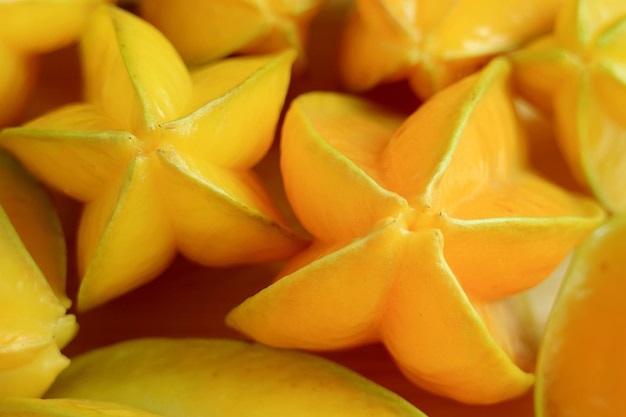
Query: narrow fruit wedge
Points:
[31, 213]
[33, 323]
[200, 377]
[34, 407]
[581, 368]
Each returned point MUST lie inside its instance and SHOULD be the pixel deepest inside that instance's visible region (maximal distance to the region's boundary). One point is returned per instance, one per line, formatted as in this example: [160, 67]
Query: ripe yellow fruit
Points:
[420, 230]
[581, 368]
[33, 324]
[200, 377]
[161, 155]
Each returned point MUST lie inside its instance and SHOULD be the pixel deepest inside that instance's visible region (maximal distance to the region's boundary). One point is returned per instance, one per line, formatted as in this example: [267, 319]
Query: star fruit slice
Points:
[199, 377]
[581, 368]
[390, 209]
[578, 75]
[33, 324]
[66, 407]
[230, 27]
[434, 43]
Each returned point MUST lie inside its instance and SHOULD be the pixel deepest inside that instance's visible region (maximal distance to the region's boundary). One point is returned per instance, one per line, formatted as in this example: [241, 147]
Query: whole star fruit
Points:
[162, 157]
[198, 377]
[34, 325]
[36, 407]
[581, 368]
[222, 28]
[576, 75]
[58, 24]
[434, 43]
[422, 230]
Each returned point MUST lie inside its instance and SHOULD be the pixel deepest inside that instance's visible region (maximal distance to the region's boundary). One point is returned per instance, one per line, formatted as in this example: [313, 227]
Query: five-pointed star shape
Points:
[420, 229]
[161, 156]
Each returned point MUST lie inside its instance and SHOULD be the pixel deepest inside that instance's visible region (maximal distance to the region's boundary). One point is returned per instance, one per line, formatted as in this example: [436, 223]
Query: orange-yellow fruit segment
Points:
[326, 139]
[581, 368]
[468, 138]
[485, 149]
[74, 149]
[125, 238]
[66, 407]
[221, 217]
[33, 323]
[335, 301]
[35, 26]
[437, 337]
[522, 246]
[225, 377]
[132, 71]
[234, 110]
[31, 213]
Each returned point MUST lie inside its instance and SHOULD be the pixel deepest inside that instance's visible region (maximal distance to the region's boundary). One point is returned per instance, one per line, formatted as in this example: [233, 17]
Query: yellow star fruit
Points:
[198, 377]
[422, 230]
[29, 28]
[577, 74]
[434, 43]
[35, 407]
[581, 368]
[221, 28]
[33, 324]
[161, 156]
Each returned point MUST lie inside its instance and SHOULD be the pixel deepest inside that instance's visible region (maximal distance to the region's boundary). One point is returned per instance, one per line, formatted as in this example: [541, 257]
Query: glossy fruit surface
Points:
[34, 326]
[434, 221]
[581, 369]
[159, 155]
[199, 377]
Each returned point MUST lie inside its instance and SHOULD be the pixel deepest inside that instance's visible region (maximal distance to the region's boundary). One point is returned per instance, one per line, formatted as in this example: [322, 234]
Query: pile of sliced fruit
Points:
[321, 207]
